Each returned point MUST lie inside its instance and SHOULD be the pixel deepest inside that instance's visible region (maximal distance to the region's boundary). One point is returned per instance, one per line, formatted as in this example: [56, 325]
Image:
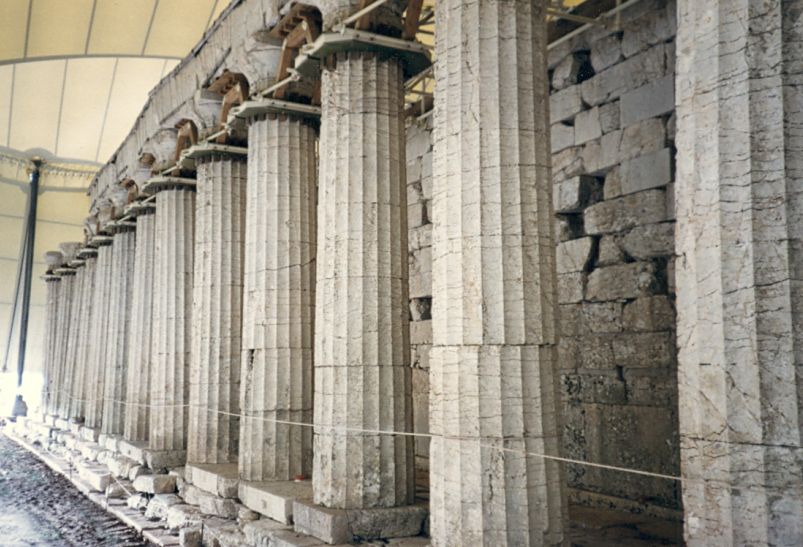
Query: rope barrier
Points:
[347, 429]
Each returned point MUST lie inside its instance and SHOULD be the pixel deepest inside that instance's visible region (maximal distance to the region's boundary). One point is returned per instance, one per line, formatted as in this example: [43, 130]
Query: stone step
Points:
[274, 499]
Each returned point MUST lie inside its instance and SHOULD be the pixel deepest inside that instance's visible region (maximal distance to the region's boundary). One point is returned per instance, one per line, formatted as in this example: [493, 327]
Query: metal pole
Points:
[33, 199]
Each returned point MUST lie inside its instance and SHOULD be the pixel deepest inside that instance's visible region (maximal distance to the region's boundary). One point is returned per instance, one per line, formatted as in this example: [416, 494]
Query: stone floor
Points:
[40, 507]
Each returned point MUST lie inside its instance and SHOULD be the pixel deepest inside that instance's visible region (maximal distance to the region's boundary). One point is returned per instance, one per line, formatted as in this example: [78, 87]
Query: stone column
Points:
[217, 309]
[73, 333]
[86, 280]
[60, 387]
[117, 332]
[739, 271]
[279, 299]
[172, 315]
[97, 354]
[53, 283]
[493, 360]
[362, 369]
[140, 340]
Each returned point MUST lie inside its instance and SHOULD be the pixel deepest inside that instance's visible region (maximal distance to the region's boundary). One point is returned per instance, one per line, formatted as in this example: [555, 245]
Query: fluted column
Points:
[172, 316]
[140, 340]
[60, 388]
[739, 239]
[98, 339]
[279, 299]
[362, 373]
[217, 309]
[117, 332]
[493, 360]
[53, 283]
[85, 285]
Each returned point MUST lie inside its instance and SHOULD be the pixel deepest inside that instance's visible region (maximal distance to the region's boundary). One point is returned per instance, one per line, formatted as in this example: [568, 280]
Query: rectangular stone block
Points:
[649, 240]
[587, 126]
[565, 104]
[645, 350]
[609, 117]
[650, 313]
[155, 484]
[606, 52]
[218, 479]
[574, 194]
[90, 433]
[648, 101]
[346, 525]
[164, 459]
[571, 287]
[562, 137]
[133, 450]
[645, 172]
[626, 212]
[629, 74]
[623, 281]
[97, 476]
[275, 499]
[421, 332]
[574, 255]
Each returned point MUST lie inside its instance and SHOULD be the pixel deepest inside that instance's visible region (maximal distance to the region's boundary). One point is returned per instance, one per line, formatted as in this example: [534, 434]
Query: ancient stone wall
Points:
[612, 104]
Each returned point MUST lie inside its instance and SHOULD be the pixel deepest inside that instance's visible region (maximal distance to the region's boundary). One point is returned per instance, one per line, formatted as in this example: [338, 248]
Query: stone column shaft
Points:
[98, 339]
[172, 316]
[140, 341]
[117, 332]
[53, 284]
[493, 360]
[86, 276]
[61, 374]
[739, 240]
[362, 372]
[217, 310]
[279, 300]
[71, 350]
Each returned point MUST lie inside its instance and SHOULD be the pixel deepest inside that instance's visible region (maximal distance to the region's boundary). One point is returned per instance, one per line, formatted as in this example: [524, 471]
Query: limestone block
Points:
[571, 287]
[420, 237]
[421, 332]
[420, 272]
[612, 187]
[606, 52]
[260, 532]
[417, 214]
[642, 138]
[563, 137]
[575, 255]
[650, 313]
[218, 479]
[137, 471]
[648, 101]
[567, 164]
[622, 77]
[343, 525]
[609, 251]
[622, 281]
[602, 317]
[159, 505]
[574, 194]
[181, 516]
[137, 501]
[155, 484]
[115, 491]
[217, 506]
[587, 126]
[649, 241]
[644, 350]
[190, 537]
[609, 117]
[274, 499]
[566, 72]
[645, 172]
[120, 466]
[565, 104]
[626, 212]
[654, 27]
[652, 387]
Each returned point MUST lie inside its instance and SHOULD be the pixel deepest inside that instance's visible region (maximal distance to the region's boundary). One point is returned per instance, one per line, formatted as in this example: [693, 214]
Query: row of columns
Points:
[266, 308]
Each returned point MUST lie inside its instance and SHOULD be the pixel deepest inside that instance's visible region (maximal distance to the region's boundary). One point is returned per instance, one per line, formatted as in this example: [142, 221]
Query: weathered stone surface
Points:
[562, 136]
[573, 195]
[609, 117]
[217, 299]
[630, 74]
[574, 255]
[626, 212]
[649, 240]
[362, 359]
[651, 313]
[78, 389]
[621, 281]
[137, 501]
[344, 526]
[139, 348]
[494, 311]
[740, 253]
[181, 516]
[172, 312]
[159, 505]
[606, 52]
[49, 388]
[218, 479]
[648, 101]
[656, 25]
[274, 499]
[565, 74]
[260, 533]
[155, 484]
[587, 126]
[646, 172]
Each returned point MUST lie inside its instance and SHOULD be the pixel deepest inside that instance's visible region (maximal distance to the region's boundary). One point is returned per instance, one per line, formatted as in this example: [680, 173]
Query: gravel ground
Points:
[40, 507]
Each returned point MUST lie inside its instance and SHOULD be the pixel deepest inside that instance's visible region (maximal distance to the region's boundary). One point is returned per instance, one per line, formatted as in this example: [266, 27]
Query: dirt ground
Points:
[40, 507]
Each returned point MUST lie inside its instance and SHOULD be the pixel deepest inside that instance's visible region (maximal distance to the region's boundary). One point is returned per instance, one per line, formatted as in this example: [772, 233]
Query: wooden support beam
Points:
[364, 22]
[236, 94]
[411, 19]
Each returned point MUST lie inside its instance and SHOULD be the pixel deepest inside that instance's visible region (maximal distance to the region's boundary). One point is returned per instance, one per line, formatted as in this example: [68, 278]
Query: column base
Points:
[61, 423]
[346, 525]
[275, 499]
[134, 450]
[110, 442]
[91, 434]
[164, 459]
[220, 479]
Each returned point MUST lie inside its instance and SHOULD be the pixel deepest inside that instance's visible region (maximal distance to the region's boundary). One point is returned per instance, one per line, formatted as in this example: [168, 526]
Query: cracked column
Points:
[172, 316]
[362, 372]
[279, 301]
[739, 240]
[53, 284]
[98, 339]
[136, 425]
[117, 333]
[493, 360]
[84, 284]
[217, 309]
